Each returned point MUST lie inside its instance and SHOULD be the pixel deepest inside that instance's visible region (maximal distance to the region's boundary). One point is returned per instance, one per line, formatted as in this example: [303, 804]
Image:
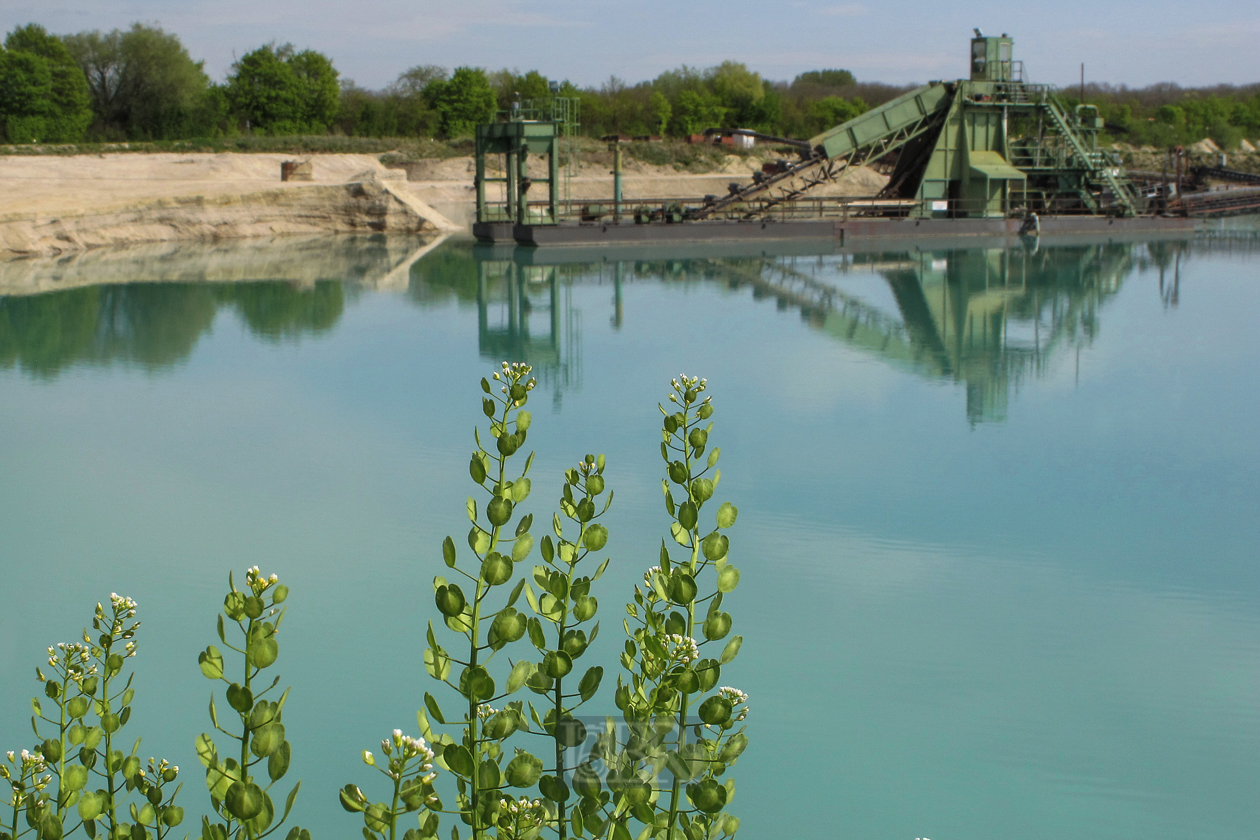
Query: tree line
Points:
[141, 84]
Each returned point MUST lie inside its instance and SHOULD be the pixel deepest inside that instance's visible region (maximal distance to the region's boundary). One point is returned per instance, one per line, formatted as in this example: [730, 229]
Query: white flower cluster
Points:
[484, 711]
[28, 765]
[73, 658]
[736, 699]
[684, 383]
[258, 582]
[123, 608]
[524, 811]
[647, 576]
[122, 605]
[514, 372]
[159, 768]
[685, 649]
[401, 749]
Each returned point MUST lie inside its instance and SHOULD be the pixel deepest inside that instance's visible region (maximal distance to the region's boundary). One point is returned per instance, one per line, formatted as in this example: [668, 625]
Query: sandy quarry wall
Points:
[52, 205]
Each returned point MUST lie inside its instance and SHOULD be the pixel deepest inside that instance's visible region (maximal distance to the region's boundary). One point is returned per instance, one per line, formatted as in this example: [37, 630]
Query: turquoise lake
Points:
[999, 507]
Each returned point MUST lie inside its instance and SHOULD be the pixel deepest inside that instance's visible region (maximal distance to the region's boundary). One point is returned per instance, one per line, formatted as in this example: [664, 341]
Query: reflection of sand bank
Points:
[51, 205]
[380, 262]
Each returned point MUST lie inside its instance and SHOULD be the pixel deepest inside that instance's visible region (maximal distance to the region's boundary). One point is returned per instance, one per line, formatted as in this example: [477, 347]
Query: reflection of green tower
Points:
[984, 318]
[525, 313]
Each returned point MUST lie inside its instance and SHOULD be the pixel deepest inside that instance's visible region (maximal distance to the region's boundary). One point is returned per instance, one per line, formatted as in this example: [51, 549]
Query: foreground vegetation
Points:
[140, 84]
[654, 771]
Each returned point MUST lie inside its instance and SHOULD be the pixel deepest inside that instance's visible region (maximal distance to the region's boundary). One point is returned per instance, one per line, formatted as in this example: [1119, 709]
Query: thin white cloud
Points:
[844, 10]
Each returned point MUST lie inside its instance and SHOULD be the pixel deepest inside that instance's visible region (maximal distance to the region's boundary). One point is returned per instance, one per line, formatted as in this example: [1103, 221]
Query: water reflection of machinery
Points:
[526, 313]
[987, 318]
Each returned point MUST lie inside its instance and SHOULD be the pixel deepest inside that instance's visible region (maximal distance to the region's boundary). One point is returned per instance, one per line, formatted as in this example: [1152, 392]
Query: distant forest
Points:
[140, 84]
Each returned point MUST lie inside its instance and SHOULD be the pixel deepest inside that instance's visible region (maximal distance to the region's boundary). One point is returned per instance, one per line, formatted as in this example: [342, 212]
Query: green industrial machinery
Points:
[544, 128]
[989, 146]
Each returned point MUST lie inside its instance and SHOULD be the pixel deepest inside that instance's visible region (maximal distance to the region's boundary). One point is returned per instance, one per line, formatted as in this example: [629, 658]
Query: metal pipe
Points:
[616, 173]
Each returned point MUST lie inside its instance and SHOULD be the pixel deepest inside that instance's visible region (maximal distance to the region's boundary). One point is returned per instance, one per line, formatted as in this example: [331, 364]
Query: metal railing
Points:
[1018, 204]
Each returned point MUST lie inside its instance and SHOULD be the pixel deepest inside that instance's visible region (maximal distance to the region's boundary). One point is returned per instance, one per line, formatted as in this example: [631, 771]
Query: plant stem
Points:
[245, 722]
[393, 809]
[691, 626]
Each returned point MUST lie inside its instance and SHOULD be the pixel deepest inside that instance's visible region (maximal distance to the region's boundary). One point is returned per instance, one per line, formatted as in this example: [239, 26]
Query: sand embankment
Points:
[53, 204]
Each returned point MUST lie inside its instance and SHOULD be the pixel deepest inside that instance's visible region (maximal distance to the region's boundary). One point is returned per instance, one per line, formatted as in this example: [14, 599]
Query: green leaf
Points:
[244, 800]
[715, 546]
[352, 799]
[74, 777]
[731, 650]
[522, 547]
[717, 625]
[508, 626]
[448, 552]
[715, 711]
[476, 684]
[477, 469]
[520, 490]
[726, 515]
[596, 537]
[570, 731]
[458, 760]
[586, 781]
[535, 627]
[267, 739]
[728, 578]
[262, 651]
[450, 600]
[524, 770]
[585, 608]
[520, 673]
[682, 587]
[496, 569]
[90, 806]
[499, 510]
[240, 698]
[552, 788]
[430, 703]
[437, 663]
[714, 453]
[707, 795]
[77, 707]
[206, 752]
[478, 540]
[687, 515]
[557, 664]
[278, 762]
[679, 533]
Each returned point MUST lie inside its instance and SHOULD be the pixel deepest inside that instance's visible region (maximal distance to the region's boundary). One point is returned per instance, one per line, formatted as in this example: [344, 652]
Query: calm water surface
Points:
[998, 507]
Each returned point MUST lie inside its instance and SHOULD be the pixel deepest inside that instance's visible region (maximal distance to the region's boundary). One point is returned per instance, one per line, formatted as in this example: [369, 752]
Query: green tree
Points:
[280, 91]
[462, 102]
[144, 84]
[697, 110]
[660, 110]
[43, 93]
[831, 111]
[739, 89]
[319, 91]
[825, 79]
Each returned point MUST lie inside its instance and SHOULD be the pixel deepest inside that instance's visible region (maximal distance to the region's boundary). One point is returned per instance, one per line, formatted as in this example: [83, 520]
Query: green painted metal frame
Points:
[516, 141]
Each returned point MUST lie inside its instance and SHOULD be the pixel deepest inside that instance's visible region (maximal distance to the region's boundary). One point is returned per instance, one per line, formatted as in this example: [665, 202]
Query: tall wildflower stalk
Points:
[565, 604]
[477, 759]
[244, 806]
[682, 731]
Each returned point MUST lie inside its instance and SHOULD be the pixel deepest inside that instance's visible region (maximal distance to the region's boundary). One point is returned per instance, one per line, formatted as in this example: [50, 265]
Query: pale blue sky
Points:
[371, 41]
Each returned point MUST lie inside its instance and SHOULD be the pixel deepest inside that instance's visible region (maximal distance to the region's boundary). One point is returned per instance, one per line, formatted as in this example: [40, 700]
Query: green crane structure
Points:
[989, 146]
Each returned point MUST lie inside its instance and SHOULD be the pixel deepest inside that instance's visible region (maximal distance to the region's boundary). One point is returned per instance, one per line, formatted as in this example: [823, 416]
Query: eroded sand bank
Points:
[53, 204]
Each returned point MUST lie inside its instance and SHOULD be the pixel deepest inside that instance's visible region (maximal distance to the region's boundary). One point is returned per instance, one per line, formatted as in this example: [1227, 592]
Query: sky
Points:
[587, 42]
